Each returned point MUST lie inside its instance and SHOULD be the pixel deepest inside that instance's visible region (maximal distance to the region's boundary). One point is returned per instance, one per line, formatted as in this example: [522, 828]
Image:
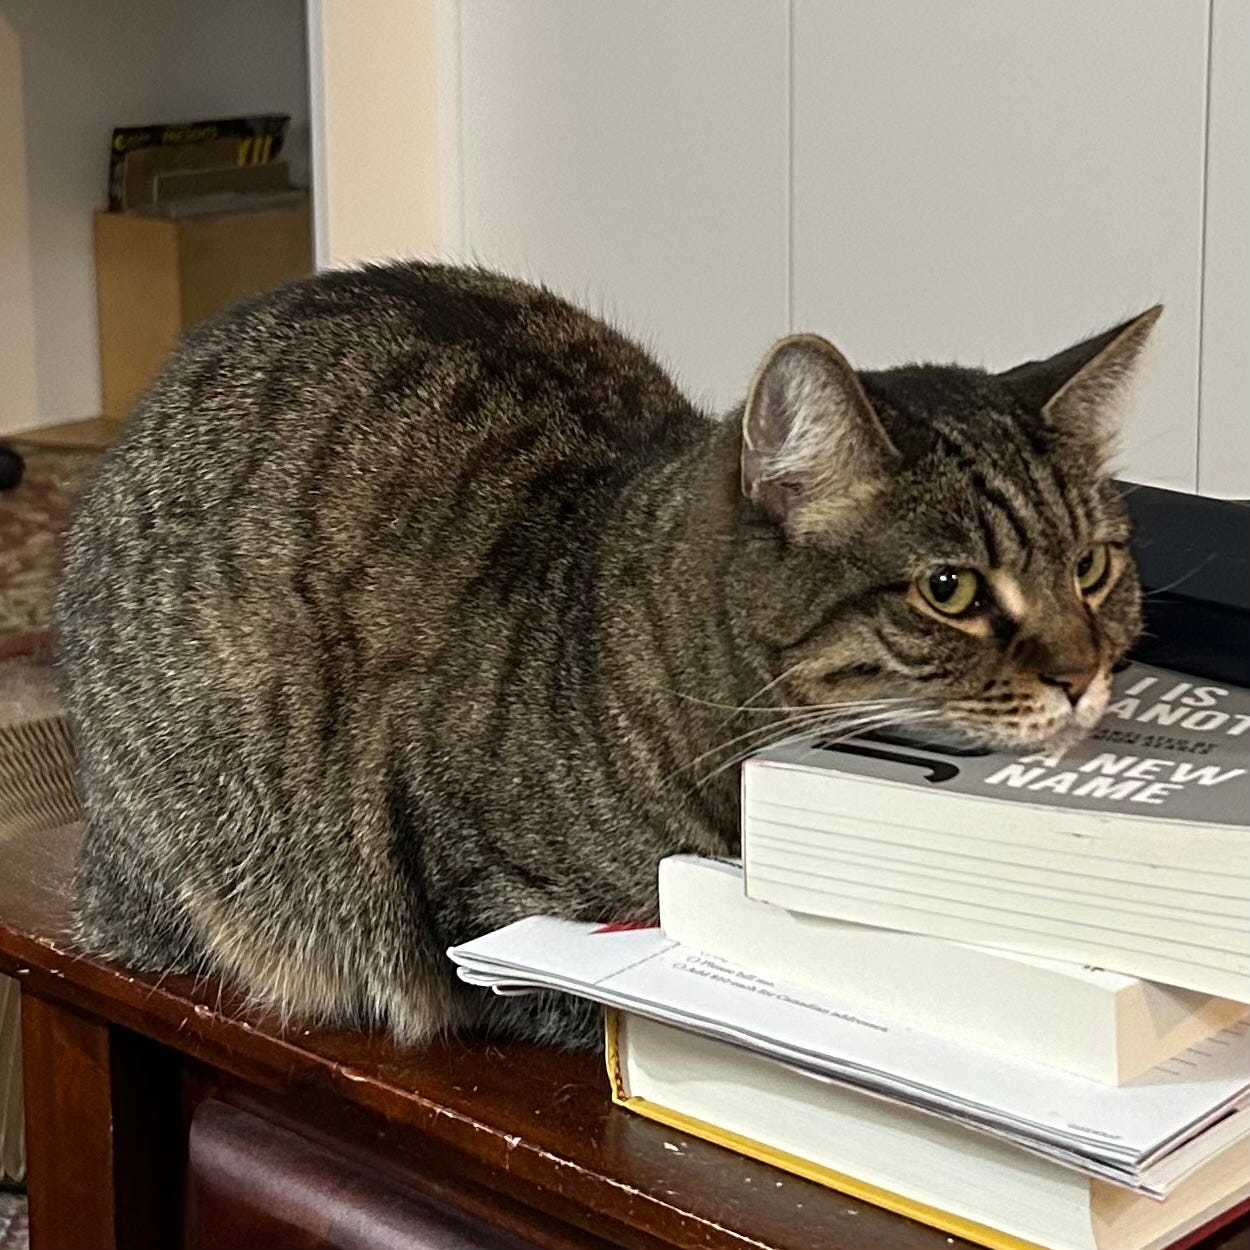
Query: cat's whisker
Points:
[808, 715]
[1184, 577]
[820, 729]
[786, 707]
[757, 732]
[739, 756]
[767, 686]
[809, 720]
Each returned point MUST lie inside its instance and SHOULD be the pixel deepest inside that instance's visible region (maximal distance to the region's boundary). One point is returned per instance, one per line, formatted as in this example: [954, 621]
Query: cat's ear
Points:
[1080, 393]
[809, 432]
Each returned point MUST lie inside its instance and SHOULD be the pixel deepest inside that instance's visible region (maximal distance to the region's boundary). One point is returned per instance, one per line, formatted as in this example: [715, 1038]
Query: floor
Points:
[31, 520]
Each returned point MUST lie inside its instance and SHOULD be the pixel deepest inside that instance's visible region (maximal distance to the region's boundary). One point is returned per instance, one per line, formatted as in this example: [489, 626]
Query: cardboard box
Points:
[136, 153]
[156, 276]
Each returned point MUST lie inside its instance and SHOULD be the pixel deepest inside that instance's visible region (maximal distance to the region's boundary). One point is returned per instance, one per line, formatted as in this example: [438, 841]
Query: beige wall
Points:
[375, 128]
[17, 308]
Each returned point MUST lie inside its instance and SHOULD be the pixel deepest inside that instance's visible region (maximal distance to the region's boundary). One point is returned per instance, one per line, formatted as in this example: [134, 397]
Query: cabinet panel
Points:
[633, 156]
[19, 394]
[373, 71]
[1224, 421]
[990, 180]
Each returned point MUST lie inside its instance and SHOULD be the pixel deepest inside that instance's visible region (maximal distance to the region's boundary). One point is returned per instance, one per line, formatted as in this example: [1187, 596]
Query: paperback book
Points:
[1098, 1024]
[1131, 851]
[1145, 1136]
[928, 1169]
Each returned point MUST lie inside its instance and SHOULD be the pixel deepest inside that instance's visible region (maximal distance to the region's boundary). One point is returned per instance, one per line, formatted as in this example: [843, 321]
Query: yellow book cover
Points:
[861, 1190]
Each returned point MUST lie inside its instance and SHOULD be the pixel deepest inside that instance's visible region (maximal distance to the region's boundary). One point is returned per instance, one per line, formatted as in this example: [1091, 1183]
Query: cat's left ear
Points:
[811, 443]
[1080, 392]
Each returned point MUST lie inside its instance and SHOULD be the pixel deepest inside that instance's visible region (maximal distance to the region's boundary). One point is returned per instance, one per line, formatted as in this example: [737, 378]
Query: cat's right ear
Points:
[811, 442]
[1080, 393]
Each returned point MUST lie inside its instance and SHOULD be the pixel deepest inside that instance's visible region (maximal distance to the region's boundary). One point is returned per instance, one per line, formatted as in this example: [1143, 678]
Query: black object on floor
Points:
[11, 468]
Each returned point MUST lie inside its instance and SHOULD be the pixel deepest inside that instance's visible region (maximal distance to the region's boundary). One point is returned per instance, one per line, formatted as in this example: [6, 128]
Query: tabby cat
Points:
[415, 600]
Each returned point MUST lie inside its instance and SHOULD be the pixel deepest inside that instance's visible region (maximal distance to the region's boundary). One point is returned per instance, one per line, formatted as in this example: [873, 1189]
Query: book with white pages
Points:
[1102, 1025]
[1145, 1135]
[940, 1173]
[1131, 851]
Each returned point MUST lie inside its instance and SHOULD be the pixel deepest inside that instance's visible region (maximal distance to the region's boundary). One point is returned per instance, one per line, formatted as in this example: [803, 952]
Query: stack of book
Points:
[1003, 996]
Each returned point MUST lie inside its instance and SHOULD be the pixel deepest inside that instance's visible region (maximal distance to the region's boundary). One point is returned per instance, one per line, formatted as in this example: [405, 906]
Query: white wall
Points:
[992, 181]
[88, 66]
[983, 180]
[1224, 443]
[633, 155]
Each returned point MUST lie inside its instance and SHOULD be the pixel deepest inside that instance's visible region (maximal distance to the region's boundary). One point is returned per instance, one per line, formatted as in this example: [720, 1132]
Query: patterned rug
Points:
[32, 518]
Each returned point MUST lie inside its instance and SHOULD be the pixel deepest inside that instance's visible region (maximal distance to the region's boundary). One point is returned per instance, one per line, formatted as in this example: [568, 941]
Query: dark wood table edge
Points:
[80, 1016]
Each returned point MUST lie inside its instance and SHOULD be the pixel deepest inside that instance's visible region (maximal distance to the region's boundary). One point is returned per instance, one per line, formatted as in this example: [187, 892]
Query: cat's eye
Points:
[953, 592]
[1091, 569]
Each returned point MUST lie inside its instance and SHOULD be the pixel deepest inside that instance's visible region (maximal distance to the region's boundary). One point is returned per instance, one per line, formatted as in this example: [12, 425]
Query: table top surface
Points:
[541, 1116]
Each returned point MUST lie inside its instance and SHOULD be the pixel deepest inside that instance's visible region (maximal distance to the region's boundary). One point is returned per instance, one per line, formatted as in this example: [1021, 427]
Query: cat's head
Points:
[948, 538]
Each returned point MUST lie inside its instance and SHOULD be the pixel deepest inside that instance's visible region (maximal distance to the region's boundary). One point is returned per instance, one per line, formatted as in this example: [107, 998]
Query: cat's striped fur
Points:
[414, 601]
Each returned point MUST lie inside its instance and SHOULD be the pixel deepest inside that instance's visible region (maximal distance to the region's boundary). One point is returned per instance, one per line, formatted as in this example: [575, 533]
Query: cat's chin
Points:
[964, 738]
[1055, 727]
[1054, 743]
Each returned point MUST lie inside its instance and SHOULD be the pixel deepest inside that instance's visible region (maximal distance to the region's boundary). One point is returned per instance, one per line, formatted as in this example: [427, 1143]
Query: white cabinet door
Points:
[373, 69]
[989, 180]
[633, 156]
[1224, 427]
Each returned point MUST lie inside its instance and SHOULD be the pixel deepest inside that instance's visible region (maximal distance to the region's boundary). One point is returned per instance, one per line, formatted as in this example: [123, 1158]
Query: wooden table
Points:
[161, 1114]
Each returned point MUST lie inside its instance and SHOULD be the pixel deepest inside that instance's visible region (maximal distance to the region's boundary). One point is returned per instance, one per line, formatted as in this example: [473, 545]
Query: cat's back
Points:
[388, 346]
[365, 441]
[372, 400]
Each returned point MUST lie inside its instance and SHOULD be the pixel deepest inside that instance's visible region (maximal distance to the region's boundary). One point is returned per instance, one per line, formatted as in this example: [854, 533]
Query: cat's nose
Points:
[1073, 684]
